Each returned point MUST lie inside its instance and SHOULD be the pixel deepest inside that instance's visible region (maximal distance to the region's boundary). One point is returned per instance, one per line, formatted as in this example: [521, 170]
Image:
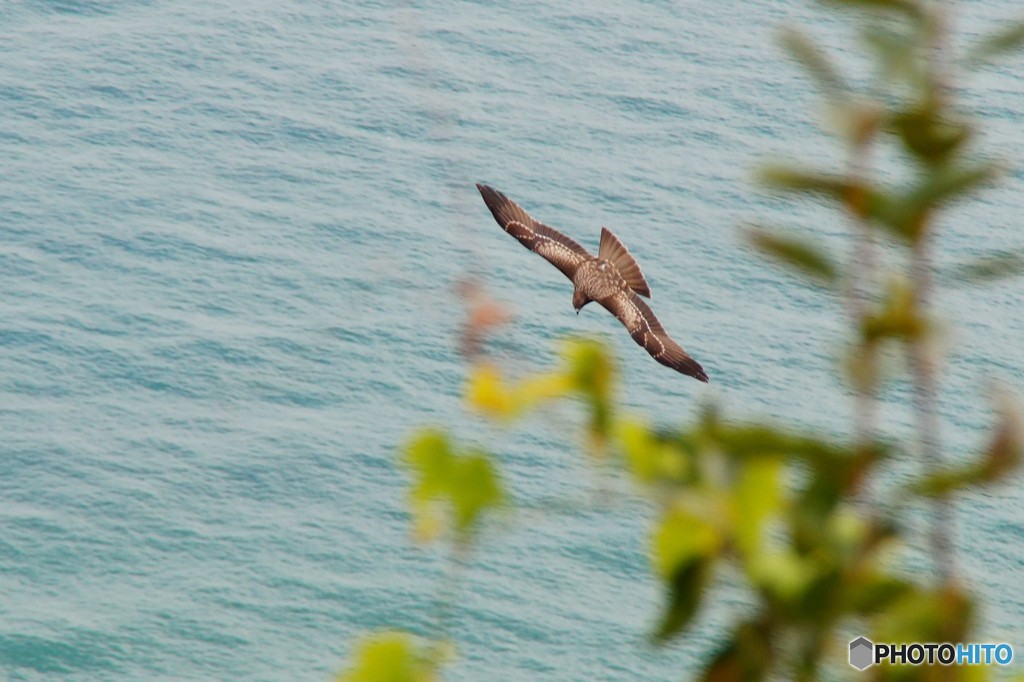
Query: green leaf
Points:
[949, 481]
[814, 60]
[818, 600]
[897, 51]
[651, 459]
[798, 254]
[908, 7]
[429, 455]
[681, 537]
[758, 497]
[994, 266]
[686, 591]
[922, 615]
[896, 318]
[450, 491]
[1006, 449]
[927, 135]
[785, 575]
[813, 513]
[906, 215]
[791, 179]
[475, 488]
[389, 657]
[952, 182]
[847, 533]
[1007, 40]
[863, 201]
[745, 657]
[591, 373]
[1002, 456]
[590, 367]
[870, 592]
[756, 440]
[856, 120]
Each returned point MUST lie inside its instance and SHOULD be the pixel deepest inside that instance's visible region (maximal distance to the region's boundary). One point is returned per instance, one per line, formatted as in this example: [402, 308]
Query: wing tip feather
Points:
[501, 207]
[684, 364]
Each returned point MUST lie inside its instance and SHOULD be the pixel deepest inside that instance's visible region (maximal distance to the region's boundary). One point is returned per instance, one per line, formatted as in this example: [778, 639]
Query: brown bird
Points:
[613, 279]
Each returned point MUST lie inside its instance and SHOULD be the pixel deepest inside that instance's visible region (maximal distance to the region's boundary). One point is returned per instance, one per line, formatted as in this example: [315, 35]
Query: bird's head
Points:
[579, 299]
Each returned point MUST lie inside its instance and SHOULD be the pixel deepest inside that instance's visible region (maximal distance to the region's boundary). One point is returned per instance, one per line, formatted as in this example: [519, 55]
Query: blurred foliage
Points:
[1000, 458]
[1006, 40]
[781, 510]
[799, 254]
[451, 489]
[587, 373]
[994, 266]
[390, 657]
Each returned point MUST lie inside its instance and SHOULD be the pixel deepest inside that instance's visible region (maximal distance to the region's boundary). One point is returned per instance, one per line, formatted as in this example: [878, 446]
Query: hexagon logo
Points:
[861, 653]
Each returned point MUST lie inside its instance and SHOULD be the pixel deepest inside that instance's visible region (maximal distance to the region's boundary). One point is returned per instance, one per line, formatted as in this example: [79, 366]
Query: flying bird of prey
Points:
[612, 278]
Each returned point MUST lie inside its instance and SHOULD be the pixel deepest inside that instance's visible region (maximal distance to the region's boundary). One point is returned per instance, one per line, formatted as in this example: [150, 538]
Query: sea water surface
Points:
[229, 238]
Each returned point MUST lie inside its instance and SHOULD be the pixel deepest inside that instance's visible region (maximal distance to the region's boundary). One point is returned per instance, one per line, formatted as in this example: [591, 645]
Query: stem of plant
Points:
[922, 362]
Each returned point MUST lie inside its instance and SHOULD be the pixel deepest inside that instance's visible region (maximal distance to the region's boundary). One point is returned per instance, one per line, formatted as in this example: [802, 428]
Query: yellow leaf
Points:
[543, 387]
[389, 657]
[487, 392]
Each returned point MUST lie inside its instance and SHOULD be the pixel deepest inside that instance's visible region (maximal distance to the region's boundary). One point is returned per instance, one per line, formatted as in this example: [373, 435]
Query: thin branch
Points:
[922, 356]
[862, 276]
[922, 362]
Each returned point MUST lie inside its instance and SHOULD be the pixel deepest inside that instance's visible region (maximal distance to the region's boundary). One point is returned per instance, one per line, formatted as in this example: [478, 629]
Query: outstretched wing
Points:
[615, 251]
[559, 250]
[645, 329]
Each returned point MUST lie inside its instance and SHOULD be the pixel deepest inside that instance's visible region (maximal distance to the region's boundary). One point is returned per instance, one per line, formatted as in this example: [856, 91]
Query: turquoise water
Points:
[229, 235]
